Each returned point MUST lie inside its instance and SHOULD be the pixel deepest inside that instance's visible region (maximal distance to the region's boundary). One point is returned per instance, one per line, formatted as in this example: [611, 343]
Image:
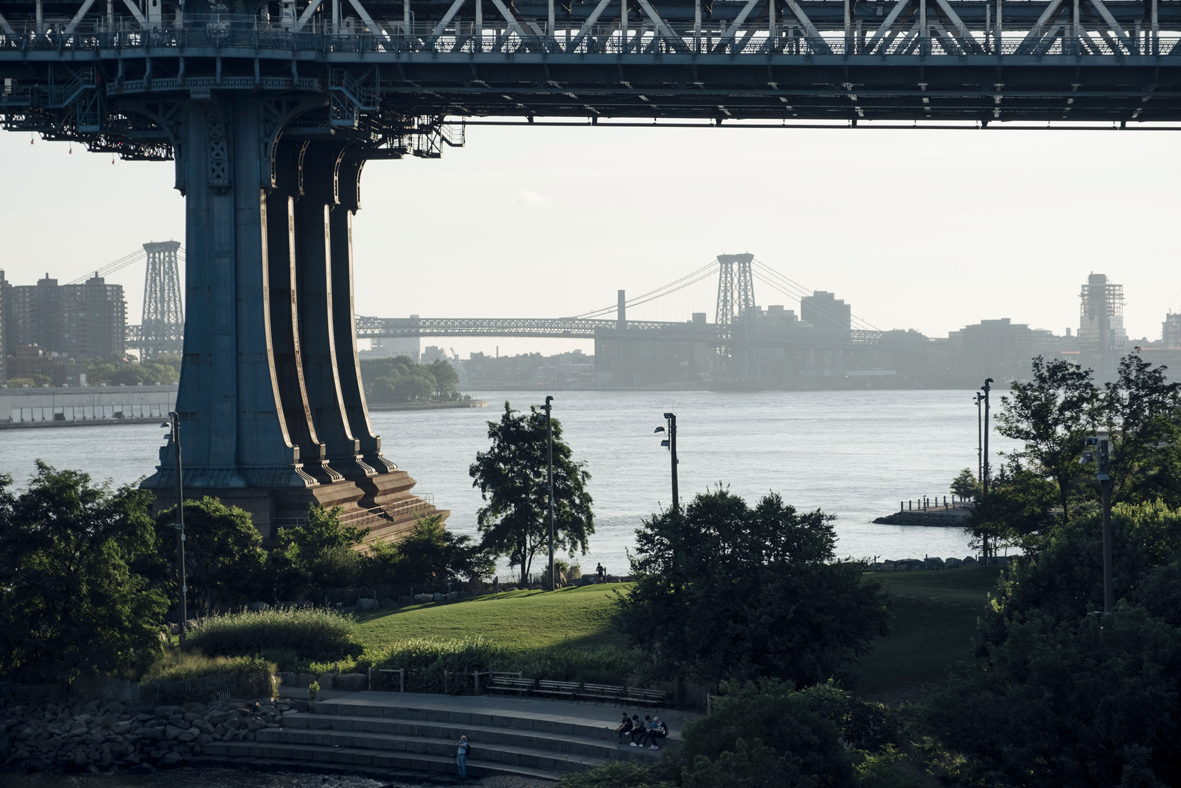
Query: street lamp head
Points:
[670, 415]
[658, 429]
[548, 400]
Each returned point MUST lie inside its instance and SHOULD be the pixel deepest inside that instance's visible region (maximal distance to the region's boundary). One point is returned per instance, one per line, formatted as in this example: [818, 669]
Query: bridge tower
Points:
[737, 355]
[163, 323]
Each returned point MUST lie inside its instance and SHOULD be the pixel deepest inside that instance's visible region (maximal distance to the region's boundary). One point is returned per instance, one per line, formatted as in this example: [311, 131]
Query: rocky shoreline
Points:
[101, 736]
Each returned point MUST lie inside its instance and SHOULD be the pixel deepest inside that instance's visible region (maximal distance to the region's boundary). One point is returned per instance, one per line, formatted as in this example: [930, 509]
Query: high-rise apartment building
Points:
[1101, 335]
[82, 321]
[3, 312]
[94, 319]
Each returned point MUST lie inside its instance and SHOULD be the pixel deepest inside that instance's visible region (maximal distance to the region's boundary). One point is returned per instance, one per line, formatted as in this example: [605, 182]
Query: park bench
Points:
[566, 689]
[606, 692]
[646, 697]
[509, 682]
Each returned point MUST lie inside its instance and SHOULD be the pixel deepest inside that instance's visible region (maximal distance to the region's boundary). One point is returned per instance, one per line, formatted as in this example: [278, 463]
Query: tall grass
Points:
[312, 634]
[177, 665]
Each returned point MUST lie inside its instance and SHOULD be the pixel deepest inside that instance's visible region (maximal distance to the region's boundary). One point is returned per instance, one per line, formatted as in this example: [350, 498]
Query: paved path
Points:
[556, 710]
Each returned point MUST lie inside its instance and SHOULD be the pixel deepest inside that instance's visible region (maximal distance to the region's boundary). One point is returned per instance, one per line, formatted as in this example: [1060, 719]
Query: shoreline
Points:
[457, 405]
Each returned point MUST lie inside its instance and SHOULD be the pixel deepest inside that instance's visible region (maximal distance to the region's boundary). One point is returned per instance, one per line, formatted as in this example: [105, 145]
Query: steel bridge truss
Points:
[836, 60]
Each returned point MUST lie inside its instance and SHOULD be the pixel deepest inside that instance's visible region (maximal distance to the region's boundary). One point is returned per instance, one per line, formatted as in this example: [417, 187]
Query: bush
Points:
[178, 665]
[616, 774]
[312, 634]
[426, 660]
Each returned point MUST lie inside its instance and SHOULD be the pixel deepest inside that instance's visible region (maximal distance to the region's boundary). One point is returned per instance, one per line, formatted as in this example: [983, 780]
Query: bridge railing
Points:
[227, 31]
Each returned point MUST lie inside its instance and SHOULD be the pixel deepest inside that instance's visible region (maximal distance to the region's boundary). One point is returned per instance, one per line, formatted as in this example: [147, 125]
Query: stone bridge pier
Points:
[271, 403]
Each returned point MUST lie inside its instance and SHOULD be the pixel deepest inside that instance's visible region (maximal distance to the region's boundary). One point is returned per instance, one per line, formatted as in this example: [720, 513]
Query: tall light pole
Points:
[549, 435]
[984, 474]
[1099, 450]
[979, 398]
[174, 418]
[671, 443]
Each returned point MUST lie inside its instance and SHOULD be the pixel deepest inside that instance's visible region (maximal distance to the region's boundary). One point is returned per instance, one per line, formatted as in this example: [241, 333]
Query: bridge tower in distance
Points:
[163, 322]
[736, 318]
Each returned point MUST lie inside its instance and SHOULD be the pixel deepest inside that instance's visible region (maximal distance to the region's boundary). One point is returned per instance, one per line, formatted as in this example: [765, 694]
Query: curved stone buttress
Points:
[272, 407]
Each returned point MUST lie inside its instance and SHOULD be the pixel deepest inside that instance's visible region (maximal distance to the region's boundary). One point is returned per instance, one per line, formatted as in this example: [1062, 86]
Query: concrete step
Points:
[516, 754]
[352, 757]
[478, 735]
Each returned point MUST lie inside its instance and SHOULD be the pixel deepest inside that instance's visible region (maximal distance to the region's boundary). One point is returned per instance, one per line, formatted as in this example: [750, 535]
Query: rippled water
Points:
[853, 454]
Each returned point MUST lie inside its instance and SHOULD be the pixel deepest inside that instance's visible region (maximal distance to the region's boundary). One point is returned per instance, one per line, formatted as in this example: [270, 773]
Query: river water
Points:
[854, 454]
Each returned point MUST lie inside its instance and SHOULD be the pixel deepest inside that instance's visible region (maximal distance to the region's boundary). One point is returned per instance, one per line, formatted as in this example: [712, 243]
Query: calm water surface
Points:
[852, 454]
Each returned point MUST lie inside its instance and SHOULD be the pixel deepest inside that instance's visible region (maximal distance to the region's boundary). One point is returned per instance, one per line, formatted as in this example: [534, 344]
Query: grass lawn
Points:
[520, 620]
[934, 622]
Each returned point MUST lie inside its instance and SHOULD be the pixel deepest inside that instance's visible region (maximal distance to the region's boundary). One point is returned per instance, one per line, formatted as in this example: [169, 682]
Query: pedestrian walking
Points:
[462, 748]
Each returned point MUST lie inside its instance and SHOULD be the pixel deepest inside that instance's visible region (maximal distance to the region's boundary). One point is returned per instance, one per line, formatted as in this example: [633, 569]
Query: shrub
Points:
[426, 661]
[178, 665]
[312, 634]
[615, 774]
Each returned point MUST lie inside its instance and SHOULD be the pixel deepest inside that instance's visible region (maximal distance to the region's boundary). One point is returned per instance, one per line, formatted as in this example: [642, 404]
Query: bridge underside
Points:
[271, 115]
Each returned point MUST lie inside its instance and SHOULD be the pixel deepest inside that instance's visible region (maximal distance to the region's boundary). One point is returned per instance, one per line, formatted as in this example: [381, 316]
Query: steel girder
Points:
[74, 71]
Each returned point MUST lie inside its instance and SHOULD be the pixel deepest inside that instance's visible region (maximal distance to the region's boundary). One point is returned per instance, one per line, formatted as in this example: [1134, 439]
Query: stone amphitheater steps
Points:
[351, 757]
[531, 738]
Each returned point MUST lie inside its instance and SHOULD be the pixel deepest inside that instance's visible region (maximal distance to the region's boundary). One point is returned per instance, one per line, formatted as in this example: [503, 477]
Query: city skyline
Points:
[936, 266]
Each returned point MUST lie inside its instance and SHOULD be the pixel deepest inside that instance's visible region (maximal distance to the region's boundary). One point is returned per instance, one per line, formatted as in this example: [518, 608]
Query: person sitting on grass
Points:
[640, 731]
[658, 731]
[624, 727]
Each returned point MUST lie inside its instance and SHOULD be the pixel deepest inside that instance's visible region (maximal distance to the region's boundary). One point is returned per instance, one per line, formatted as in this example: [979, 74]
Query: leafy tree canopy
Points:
[728, 591]
[429, 557]
[966, 485]
[70, 604]
[511, 477]
[1062, 696]
[224, 559]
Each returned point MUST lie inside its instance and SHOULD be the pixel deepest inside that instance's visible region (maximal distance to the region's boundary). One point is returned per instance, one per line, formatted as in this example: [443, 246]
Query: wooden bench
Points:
[566, 689]
[646, 697]
[509, 682]
[601, 692]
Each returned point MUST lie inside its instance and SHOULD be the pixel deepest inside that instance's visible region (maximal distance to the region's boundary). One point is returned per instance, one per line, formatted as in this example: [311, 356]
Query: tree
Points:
[1060, 696]
[1018, 509]
[726, 591]
[1141, 412]
[511, 477]
[224, 559]
[446, 379]
[966, 485]
[428, 557]
[317, 555]
[1052, 415]
[70, 604]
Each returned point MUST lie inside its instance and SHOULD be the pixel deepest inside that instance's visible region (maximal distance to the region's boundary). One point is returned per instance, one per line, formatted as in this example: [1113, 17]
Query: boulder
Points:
[287, 677]
[366, 604]
[326, 680]
[386, 602]
[405, 600]
[437, 597]
[452, 595]
[935, 562]
[352, 682]
[970, 561]
[953, 563]
[304, 680]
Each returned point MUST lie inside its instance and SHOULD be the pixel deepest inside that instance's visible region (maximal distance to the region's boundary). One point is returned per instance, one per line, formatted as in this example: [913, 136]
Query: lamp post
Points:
[671, 443]
[549, 436]
[984, 473]
[979, 398]
[174, 420]
[1098, 449]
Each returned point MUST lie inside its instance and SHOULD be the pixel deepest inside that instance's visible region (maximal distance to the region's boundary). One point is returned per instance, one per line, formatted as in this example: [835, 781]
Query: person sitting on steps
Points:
[640, 731]
[624, 727]
[659, 731]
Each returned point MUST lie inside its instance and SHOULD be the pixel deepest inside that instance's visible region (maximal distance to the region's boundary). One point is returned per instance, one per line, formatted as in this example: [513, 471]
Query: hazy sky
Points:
[916, 229]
